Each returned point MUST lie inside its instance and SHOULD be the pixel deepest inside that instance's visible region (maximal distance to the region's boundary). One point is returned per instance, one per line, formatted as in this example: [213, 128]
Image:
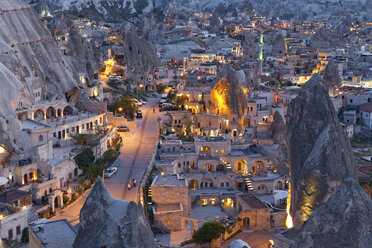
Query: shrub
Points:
[25, 236]
[208, 232]
[73, 197]
[84, 158]
[65, 199]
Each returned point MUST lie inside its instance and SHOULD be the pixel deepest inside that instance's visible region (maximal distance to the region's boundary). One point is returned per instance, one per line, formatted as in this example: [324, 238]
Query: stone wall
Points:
[278, 219]
[94, 107]
[172, 195]
[170, 220]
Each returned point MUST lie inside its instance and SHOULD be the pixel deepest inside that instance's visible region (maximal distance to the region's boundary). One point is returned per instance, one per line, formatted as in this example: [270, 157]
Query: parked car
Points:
[112, 77]
[139, 114]
[109, 172]
[123, 129]
[138, 103]
[143, 102]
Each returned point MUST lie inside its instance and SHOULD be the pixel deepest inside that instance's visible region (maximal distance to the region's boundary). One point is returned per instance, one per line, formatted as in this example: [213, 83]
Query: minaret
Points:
[260, 55]
[45, 12]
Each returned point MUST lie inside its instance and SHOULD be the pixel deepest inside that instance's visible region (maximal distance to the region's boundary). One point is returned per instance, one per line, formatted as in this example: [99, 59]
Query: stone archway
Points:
[51, 113]
[29, 176]
[193, 184]
[55, 200]
[258, 167]
[279, 185]
[39, 114]
[67, 110]
[241, 166]
[262, 189]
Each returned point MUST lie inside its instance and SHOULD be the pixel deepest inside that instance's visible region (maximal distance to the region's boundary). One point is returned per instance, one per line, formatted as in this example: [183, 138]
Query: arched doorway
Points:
[67, 110]
[241, 166]
[246, 221]
[25, 179]
[56, 205]
[51, 113]
[235, 133]
[188, 226]
[258, 167]
[39, 114]
[59, 112]
[192, 166]
[279, 185]
[193, 184]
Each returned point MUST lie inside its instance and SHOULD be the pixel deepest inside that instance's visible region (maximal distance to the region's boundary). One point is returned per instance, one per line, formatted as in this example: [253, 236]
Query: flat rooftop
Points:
[168, 180]
[32, 125]
[55, 233]
[210, 139]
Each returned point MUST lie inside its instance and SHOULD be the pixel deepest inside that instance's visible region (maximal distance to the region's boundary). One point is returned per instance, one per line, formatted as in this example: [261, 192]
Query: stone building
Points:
[172, 199]
[252, 211]
[217, 169]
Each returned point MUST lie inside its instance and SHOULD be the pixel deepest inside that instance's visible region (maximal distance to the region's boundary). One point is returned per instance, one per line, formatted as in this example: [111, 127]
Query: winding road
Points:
[136, 152]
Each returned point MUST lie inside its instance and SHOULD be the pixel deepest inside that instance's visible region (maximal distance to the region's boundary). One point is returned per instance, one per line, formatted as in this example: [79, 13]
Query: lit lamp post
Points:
[141, 86]
[120, 109]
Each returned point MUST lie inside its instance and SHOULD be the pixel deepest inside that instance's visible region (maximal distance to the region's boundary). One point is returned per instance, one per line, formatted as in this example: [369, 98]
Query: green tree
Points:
[208, 232]
[25, 237]
[160, 88]
[125, 104]
[180, 101]
[84, 158]
[188, 122]
[81, 139]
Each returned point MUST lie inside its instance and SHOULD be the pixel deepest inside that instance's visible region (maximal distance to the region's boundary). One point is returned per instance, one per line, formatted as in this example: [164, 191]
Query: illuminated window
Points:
[171, 196]
[222, 151]
[169, 222]
[201, 149]
[217, 151]
[213, 201]
[203, 202]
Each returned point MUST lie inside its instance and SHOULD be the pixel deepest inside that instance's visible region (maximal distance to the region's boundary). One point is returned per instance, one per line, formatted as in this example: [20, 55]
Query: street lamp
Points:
[141, 86]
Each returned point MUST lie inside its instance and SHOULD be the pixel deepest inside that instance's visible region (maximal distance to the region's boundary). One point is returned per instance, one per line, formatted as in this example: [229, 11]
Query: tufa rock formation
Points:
[109, 222]
[345, 220]
[277, 131]
[227, 93]
[138, 54]
[84, 56]
[278, 46]
[30, 62]
[331, 78]
[320, 156]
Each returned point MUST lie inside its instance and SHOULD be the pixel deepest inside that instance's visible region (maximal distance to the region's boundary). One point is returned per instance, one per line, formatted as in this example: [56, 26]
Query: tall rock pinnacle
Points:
[109, 222]
[345, 220]
[320, 156]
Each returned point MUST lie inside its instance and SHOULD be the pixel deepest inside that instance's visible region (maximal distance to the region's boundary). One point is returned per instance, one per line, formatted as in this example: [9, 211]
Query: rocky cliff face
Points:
[30, 62]
[109, 222]
[82, 55]
[331, 77]
[278, 46]
[320, 155]
[345, 220]
[227, 93]
[277, 131]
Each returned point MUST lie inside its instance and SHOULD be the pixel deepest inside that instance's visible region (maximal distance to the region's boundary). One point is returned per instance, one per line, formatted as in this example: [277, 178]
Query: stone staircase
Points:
[248, 183]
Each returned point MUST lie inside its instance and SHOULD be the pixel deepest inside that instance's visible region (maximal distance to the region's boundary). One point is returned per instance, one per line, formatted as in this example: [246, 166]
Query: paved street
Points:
[136, 152]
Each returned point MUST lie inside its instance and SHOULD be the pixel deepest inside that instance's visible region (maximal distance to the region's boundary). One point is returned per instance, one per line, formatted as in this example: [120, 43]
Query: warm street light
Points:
[120, 109]
[141, 86]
